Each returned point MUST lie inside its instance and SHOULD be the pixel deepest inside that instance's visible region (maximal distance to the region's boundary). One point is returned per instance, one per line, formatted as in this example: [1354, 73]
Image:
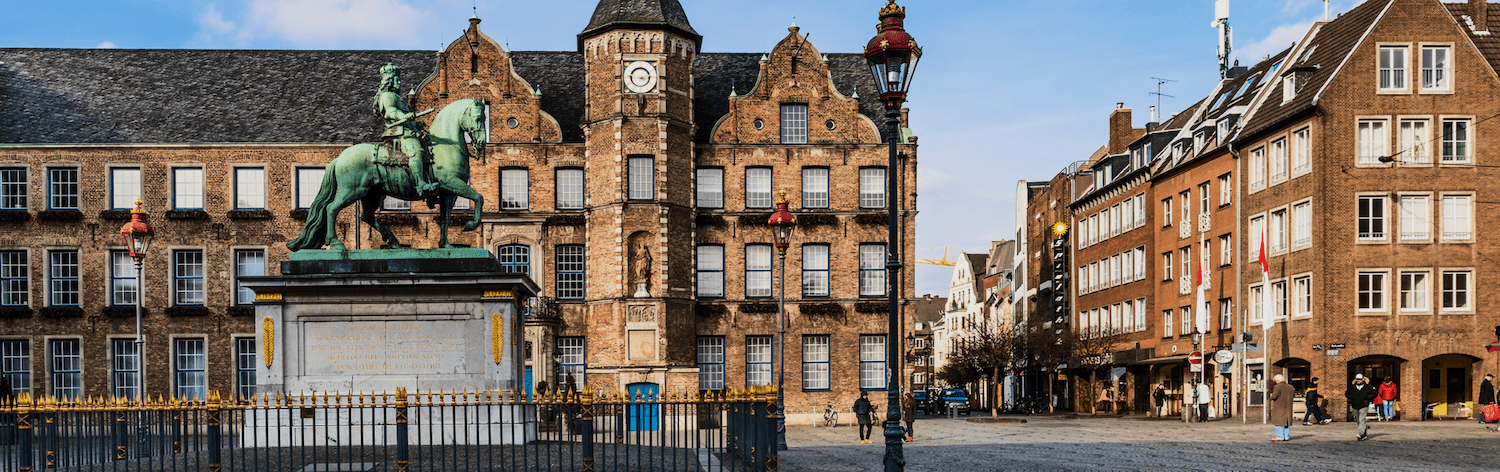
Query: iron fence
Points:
[447, 431]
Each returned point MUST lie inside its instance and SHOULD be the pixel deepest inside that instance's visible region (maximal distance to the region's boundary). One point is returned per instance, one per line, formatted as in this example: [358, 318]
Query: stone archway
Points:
[1447, 385]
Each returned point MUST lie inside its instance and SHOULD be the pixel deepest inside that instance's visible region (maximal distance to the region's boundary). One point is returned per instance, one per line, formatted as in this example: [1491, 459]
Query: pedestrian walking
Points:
[1160, 397]
[862, 413]
[1487, 390]
[1281, 408]
[1387, 393]
[1361, 398]
[909, 414]
[1204, 398]
[1314, 401]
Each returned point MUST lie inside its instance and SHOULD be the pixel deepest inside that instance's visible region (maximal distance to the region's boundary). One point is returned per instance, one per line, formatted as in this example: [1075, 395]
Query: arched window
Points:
[515, 258]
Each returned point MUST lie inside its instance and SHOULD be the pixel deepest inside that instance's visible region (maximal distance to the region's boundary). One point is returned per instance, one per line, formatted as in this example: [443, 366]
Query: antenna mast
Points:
[1226, 35]
[1158, 94]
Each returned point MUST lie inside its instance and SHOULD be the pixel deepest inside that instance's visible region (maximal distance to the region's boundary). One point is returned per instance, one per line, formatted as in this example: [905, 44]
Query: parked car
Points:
[923, 401]
[955, 398]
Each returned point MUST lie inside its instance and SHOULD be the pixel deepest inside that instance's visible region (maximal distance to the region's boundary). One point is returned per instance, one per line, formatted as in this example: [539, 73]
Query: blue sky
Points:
[1008, 90]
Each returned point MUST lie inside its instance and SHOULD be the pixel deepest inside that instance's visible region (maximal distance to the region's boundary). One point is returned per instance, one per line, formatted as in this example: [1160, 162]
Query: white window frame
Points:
[710, 354]
[1257, 304]
[1166, 266]
[1383, 218]
[759, 182]
[1435, 78]
[816, 277]
[872, 183]
[244, 259]
[515, 188]
[1414, 141]
[872, 273]
[1278, 161]
[1301, 224]
[1465, 142]
[1302, 301]
[1140, 263]
[794, 123]
[1457, 220]
[570, 183]
[65, 367]
[1226, 313]
[1414, 291]
[1415, 222]
[1257, 231]
[758, 268]
[1393, 68]
[1166, 322]
[1226, 190]
[1226, 250]
[1166, 212]
[815, 187]
[187, 188]
[1468, 290]
[309, 181]
[1380, 293]
[872, 362]
[122, 279]
[1372, 141]
[121, 194]
[1140, 210]
[250, 188]
[710, 187]
[1257, 169]
[64, 278]
[1301, 152]
[184, 293]
[125, 367]
[14, 187]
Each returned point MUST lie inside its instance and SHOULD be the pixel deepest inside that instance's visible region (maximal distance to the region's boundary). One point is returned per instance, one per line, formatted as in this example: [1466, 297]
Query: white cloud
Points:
[106, 45]
[929, 179]
[213, 21]
[1280, 38]
[1293, 7]
[341, 23]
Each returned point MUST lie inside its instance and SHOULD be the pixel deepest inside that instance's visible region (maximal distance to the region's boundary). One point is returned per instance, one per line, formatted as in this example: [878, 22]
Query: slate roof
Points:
[54, 96]
[667, 14]
[1488, 44]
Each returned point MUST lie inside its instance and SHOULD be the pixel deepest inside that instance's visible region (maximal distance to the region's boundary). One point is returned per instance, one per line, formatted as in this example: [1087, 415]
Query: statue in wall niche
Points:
[369, 172]
[642, 261]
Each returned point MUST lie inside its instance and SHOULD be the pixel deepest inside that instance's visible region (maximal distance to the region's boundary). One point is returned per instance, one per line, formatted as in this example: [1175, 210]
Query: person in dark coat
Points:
[1487, 390]
[1361, 398]
[1314, 400]
[909, 415]
[1281, 408]
[862, 411]
[1160, 396]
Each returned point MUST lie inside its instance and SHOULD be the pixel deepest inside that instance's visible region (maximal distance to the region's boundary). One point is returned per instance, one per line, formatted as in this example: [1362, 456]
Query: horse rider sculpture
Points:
[402, 129]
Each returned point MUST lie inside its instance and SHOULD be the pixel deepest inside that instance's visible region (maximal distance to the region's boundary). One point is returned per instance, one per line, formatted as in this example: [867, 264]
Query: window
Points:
[1127, 266]
[62, 276]
[569, 189]
[1372, 141]
[67, 368]
[1302, 224]
[247, 263]
[62, 189]
[1257, 237]
[918, 378]
[1457, 213]
[1258, 169]
[1203, 197]
[711, 188]
[711, 363]
[249, 188]
[1372, 217]
[758, 358]
[515, 188]
[872, 187]
[309, 181]
[1187, 207]
[1257, 304]
[1301, 152]
[244, 366]
[815, 270]
[1186, 314]
[872, 270]
[122, 281]
[1456, 290]
[1392, 67]
[1166, 323]
[815, 362]
[1371, 290]
[1278, 231]
[794, 124]
[15, 286]
[515, 259]
[872, 362]
[1140, 314]
[1226, 250]
[570, 271]
[1166, 266]
[13, 188]
[1166, 212]
[125, 365]
[15, 364]
[642, 178]
[187, 188]
[1127, 215]
[1278, 160]
[393, 203]
[758, 187]
[919, 343]
[711, 271]
[1302, 304]
[1105, 230]
[573, 366]
[1226, 313]
[1414, 139]
[1415, 291]
[757, 270]
[124, 187]
[1435, 67]
[190, 364]
[1456, 141]
[187, 277]
[1140, 209]
[1415, 225]
[1140, 263]
[815, 187]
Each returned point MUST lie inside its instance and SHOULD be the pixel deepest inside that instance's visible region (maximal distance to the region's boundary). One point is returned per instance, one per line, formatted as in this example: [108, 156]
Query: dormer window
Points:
[1223, 129]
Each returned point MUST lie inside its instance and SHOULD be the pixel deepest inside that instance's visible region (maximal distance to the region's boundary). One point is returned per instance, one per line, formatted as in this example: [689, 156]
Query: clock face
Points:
[640, 77]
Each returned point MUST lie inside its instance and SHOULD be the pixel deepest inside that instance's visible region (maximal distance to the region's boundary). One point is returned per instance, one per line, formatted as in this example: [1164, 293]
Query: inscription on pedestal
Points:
[383, 347]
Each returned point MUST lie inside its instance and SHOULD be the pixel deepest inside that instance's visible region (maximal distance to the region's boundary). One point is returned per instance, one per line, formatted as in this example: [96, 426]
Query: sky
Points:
[1007, 90]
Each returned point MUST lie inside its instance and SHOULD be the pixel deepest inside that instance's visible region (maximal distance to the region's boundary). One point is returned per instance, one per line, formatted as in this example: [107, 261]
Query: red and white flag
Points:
[1201, 308]
[1266, 313]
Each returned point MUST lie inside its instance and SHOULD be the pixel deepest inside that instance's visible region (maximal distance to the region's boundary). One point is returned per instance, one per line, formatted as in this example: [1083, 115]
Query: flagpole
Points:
[1267, 319]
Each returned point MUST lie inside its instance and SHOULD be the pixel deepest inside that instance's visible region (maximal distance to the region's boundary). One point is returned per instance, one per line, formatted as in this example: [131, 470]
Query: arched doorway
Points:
[1376, 368]
[1447, 381]
[1298, 373]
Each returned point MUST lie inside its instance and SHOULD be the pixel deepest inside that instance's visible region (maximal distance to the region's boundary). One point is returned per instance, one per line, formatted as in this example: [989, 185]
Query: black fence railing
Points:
[427, 431]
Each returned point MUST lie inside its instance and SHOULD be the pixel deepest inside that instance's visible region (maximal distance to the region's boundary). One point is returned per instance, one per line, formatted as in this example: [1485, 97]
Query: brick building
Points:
[630, 179]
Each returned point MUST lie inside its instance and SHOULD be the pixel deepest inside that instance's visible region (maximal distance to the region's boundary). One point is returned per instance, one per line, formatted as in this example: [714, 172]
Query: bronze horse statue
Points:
[358, 175]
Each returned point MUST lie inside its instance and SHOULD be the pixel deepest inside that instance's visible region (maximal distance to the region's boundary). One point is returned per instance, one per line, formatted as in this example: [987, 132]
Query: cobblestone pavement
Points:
[1057, 443]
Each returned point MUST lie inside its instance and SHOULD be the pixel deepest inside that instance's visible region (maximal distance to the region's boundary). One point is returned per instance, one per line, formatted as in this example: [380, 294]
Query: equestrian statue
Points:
[400, 167]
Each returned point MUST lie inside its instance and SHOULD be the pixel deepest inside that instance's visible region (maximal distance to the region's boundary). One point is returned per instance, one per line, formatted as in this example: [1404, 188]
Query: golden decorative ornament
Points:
[497, 336]
[268, 339]
[267, 297]
[1059, 228]
[498, 294]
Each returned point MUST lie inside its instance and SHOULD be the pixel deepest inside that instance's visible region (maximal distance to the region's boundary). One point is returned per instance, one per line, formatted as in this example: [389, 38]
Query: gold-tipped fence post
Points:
[403, 460]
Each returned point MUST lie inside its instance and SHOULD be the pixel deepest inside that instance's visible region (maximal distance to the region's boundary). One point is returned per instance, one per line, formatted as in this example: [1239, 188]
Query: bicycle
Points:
[830, 416]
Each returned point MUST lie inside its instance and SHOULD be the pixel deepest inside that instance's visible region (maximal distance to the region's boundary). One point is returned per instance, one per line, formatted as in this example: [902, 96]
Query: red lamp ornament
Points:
[782, 223]
[136, 234]
[892, 55]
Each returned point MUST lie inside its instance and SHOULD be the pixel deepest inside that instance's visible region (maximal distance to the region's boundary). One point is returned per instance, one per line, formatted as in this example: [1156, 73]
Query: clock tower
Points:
[638, 129]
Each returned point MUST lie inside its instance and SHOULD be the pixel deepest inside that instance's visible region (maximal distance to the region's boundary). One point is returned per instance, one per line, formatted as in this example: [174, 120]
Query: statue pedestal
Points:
[350, 322]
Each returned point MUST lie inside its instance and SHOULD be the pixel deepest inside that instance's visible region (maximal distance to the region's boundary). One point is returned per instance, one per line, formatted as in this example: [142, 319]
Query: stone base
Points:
[390, 261]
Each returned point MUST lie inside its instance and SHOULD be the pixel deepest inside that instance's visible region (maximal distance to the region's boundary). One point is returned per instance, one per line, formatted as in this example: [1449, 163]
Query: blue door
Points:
[528, 382]
[645, 416]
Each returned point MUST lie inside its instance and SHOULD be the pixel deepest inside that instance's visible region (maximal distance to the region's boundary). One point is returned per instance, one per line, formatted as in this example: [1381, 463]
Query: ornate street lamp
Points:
[782, 223]
[892, 55]
[137, 238]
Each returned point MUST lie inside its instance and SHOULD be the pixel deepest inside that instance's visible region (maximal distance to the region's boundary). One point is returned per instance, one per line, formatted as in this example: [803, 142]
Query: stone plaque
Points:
[640, 314]
[642, 344]
[383, 347]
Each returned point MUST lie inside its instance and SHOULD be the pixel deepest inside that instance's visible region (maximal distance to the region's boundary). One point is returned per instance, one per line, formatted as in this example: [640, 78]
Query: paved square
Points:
[1056, 443]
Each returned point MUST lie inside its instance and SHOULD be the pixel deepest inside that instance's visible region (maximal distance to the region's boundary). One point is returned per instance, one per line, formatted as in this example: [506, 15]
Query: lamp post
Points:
[782, 224]
[892, 55]
[137, 238]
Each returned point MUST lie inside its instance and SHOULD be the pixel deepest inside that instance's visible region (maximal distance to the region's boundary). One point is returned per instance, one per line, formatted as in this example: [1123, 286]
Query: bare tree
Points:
[1091, 350]
[988, 354]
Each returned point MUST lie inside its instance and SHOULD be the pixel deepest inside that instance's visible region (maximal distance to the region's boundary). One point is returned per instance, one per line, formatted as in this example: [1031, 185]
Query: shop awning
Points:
[1177, 359]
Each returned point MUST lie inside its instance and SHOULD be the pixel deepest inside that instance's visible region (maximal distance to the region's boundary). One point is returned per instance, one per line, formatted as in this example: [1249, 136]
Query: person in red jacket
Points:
[1387, 394]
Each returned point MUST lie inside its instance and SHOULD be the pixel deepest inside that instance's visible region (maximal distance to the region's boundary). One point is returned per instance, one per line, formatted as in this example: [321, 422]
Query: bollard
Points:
[586, 427]
[214, 439]
[402, 459]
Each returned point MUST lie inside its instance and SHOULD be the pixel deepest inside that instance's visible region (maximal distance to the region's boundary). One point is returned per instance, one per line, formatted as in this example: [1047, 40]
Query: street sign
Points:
[1195, 358]
[1223, 357]
[1336, 346]
[1245, 347]
[1196, 367]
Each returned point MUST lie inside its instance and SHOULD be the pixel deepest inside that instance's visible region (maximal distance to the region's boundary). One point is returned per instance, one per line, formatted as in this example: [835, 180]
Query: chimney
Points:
[1479, 12]
[1119, 130]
